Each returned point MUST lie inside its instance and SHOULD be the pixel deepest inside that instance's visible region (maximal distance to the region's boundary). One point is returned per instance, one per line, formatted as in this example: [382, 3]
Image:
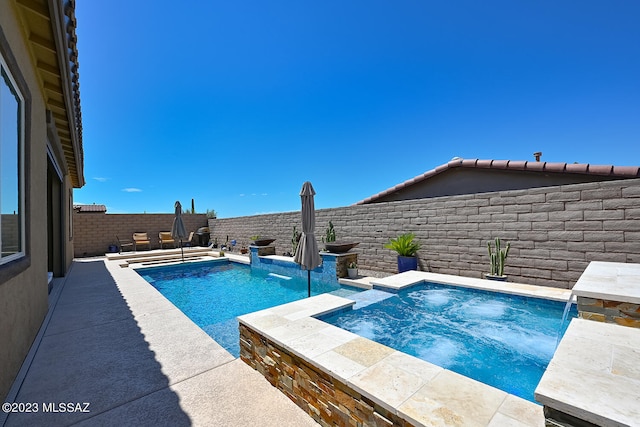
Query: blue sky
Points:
[235, 104]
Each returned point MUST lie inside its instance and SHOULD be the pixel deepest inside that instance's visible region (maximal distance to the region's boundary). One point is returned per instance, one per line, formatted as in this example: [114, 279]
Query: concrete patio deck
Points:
[115, 343]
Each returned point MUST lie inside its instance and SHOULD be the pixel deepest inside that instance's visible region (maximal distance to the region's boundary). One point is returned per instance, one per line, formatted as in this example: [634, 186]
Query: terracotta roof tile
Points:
[600, 169]
[90, 208]
[626, 170]
[555, 167]
[577, 168]
[517, 165]
[536, 166]
[499, 164]
[483, 163]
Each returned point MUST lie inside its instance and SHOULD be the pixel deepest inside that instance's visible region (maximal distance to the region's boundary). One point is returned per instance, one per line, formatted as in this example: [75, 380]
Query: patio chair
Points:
[140, 239]
[166, 239]
[123, 243]
[188, 242]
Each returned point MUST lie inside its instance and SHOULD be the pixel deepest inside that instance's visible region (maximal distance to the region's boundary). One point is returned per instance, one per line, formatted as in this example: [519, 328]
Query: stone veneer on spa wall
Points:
[325, 398]
[610, 292]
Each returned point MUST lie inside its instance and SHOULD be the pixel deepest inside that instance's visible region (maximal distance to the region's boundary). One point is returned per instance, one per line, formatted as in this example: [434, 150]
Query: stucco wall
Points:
[554, 231]
[94, 232]
[23, 290]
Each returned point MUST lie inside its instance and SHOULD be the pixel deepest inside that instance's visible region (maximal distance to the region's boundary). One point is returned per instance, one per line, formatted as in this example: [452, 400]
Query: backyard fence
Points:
[554, 231]
[94, 232]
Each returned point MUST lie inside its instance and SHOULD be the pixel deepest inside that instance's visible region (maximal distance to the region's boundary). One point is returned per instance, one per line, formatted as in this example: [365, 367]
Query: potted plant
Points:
[352, 270]
[497, 259]
[406, 247]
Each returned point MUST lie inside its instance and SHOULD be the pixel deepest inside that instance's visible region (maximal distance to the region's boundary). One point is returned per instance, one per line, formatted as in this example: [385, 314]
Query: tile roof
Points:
[90, 208]
[516, 165]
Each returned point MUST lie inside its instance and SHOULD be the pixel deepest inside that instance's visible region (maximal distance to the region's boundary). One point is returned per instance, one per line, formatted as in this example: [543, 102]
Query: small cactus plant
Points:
[330, 234]
[295, 239]
[498, 257]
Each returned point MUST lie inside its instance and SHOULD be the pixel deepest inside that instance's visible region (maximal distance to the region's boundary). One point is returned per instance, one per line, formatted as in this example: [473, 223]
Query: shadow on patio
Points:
[93, 351]
[115, 342]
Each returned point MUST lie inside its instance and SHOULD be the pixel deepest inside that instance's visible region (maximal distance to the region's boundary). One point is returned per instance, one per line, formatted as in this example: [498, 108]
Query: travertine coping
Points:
[594, 374]
[414, 390]
[411, 278]
[612, 281]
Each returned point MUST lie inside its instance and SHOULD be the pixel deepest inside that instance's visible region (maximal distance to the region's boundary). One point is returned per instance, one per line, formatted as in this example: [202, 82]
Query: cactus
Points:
[498, 257]
[295, 239]
[330, 234]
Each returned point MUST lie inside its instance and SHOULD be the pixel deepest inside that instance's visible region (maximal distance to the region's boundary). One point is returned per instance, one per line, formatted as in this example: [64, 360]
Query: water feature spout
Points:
[565, 315]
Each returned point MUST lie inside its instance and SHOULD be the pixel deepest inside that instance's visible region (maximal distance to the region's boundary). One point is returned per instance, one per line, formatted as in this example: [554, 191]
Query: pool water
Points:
[501, 340]
[213, 293]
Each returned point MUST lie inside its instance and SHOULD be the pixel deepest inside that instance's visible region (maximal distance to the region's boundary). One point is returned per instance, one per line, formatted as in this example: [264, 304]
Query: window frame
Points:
[15, 266]
[7, 78]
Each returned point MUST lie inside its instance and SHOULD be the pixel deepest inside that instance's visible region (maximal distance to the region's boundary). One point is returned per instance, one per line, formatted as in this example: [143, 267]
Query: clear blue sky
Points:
[236, 103]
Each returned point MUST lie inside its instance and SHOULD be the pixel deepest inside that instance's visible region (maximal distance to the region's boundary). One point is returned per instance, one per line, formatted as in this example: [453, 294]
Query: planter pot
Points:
[496, 278]
[340, 247]
[407, 263]
[352, 273]
[263, 242]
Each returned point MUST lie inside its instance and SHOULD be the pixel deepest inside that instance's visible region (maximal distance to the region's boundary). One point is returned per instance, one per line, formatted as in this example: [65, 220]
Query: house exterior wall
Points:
[95, 231]
[23, 283]
[458, 181]
[554, 231]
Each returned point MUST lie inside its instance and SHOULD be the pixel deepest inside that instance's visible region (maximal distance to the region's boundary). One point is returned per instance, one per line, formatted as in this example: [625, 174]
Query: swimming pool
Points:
[213, 293]
[502, 340]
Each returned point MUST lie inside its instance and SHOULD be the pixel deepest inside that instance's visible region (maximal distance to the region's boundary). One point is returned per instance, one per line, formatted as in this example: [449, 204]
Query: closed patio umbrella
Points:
[178, 232]
[307, 251]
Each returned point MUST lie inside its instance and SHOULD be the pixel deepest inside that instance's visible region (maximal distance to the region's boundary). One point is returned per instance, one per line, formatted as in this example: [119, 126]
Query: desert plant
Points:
[353, 264]
[211, 213]
[329, 234]
[404, 245]
[295, 239]
[498, 257]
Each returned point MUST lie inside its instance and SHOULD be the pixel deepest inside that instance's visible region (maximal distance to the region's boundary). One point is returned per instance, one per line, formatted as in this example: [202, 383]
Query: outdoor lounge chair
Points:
[166, 239]
[122, 243]
[140, 239]
[187, 242]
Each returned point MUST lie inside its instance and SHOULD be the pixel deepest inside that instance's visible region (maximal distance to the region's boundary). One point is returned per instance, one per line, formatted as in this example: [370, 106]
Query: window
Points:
[12, 230]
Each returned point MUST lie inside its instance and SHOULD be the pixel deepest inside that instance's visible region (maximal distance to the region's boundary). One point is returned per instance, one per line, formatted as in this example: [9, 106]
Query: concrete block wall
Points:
[554, 231]
[93, 232]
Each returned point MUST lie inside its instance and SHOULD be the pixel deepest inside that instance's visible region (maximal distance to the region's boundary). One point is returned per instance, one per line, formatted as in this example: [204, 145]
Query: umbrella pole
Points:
[309, 282]
[182, 250]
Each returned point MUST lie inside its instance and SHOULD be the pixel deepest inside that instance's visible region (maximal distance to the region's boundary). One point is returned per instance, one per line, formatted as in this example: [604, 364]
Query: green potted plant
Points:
[497, 258]
[352, 270]
[406, 247]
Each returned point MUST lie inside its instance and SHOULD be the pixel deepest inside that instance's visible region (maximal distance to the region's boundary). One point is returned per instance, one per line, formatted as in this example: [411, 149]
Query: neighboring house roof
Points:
[575, 172]
[50, 26]
[90, 208]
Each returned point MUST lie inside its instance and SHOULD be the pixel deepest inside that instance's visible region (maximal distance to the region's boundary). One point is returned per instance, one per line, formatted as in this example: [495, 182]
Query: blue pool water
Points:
[501, 340]
[214, 293]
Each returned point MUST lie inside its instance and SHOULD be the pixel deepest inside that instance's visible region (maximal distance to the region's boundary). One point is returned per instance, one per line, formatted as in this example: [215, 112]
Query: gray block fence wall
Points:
[93, 232]
[554, 231]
